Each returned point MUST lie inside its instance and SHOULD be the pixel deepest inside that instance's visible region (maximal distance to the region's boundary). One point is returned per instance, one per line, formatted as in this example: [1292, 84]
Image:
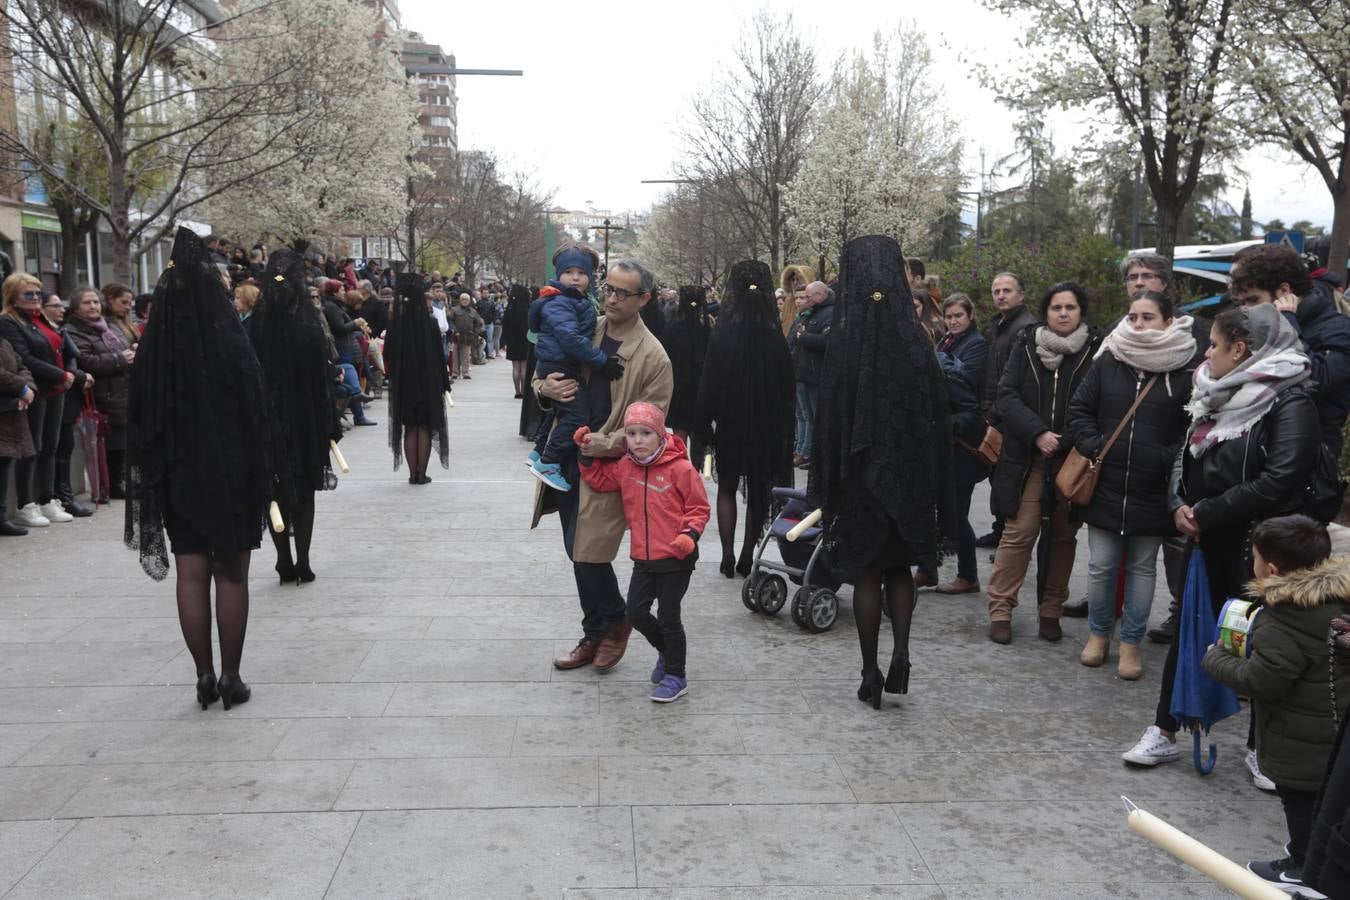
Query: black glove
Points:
[612, 370]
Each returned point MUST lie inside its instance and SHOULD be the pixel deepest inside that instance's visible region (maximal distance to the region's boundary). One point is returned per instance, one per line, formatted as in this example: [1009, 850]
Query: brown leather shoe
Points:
[578, 656]
[612, 646]
[1000, 632]
[924, 580]
[1050, 630]
[959, 586]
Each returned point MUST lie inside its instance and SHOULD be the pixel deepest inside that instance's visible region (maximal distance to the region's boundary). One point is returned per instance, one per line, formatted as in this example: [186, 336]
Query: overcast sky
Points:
[641, 63]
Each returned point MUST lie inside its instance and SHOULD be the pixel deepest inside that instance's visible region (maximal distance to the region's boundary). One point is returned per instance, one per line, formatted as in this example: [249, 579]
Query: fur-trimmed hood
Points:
[793, 273]
[1323, 584]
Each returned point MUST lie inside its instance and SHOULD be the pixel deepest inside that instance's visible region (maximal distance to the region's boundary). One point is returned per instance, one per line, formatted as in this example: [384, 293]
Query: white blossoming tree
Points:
[884, 159]
[1296, 58]
[1158, 72]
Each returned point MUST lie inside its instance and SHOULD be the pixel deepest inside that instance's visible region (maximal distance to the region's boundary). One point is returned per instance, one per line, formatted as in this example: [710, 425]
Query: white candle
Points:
[337, 454]
[450, 400]
[804, 524]
[1196, 855]
[707, 466]
[274, 512]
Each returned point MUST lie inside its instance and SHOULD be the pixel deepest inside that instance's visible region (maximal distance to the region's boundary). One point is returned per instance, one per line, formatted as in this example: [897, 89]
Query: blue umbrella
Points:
[1198, 701]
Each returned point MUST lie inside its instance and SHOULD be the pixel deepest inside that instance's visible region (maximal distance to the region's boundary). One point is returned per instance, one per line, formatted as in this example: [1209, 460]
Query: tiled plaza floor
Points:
[407, 736]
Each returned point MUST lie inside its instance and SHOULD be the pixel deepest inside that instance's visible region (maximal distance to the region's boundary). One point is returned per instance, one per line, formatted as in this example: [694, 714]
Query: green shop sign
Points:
[41, 223]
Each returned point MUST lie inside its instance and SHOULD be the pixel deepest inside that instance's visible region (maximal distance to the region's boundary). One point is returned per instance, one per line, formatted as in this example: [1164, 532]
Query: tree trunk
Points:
[119, 204]
[1340, 229]
[1169, 214]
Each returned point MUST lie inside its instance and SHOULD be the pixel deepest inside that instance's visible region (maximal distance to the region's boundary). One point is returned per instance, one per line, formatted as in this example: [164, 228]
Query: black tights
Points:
[867, 599]
[518, 375]
[303, 527]
[417, 450]
[755, 514]
[194, 611]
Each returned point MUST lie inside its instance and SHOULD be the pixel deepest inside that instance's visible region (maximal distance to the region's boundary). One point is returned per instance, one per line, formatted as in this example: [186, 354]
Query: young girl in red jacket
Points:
[666, 506]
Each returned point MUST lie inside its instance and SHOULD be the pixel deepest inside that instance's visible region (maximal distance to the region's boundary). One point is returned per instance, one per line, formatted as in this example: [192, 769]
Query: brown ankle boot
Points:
[1050, 630]
[1000, 631]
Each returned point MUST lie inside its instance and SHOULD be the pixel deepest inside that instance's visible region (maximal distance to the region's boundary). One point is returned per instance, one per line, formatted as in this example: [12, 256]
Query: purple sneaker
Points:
[660, 671]
[672, 687]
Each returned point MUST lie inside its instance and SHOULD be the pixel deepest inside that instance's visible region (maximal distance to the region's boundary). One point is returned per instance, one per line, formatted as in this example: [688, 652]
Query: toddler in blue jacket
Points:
[564, 318]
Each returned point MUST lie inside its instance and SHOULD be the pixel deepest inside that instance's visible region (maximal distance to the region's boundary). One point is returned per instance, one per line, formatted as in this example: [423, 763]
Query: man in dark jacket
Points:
[1000, 335]
[807, 342]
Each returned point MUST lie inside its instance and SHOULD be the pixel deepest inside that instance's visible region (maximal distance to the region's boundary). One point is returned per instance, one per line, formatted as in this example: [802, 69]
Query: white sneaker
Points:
[1261, 781]
[1153, 749]
[54, 512]
[30, 516]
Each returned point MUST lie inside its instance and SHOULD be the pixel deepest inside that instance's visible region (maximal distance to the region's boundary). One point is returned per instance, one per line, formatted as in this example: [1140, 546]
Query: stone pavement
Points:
[407, 736]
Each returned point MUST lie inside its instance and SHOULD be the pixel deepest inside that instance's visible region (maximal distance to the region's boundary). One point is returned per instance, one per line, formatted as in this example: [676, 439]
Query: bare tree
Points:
[749, 132]
[516, 245]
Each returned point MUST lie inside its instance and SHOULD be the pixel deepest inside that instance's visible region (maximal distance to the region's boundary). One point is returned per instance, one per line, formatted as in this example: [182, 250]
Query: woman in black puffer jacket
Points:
[1249, 455]
[1150, 350]
[1046, 364]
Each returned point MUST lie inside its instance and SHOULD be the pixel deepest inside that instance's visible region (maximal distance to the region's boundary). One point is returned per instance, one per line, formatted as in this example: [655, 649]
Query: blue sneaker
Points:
[660, 671]
[532, 458]
[551, 475]
[672, 687]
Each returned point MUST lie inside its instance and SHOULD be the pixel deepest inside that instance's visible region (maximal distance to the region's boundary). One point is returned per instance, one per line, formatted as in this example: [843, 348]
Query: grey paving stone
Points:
[37, 792]
[588, 735]
[296, 701]
[427, 660]
[527, 853]
[475, 613]
[771, 845]
[487, 698]
[208, 787]
[705, 698]
[94, 663]
[281, 855]
[33, 630]
[1078, 890]
[899, 730]
[469, 783]
[22, 845]
[388, 738]
[665, 779]
[299, 661]
[777, 892]
[212, 736]
[16, 740]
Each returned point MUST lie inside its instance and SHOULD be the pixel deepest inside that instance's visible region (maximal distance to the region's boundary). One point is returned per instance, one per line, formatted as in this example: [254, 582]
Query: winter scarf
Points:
[112, 339]
[1052, 349]
[1152, 351]
[1227, 407]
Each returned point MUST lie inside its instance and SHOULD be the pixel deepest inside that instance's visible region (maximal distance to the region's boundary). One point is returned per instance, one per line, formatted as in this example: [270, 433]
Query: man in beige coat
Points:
[593, 523]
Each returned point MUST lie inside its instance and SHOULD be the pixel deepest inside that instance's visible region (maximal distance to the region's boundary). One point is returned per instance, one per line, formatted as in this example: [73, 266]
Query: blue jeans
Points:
[806, 418]
[491, 333]
[351, 388]
[1109, 551]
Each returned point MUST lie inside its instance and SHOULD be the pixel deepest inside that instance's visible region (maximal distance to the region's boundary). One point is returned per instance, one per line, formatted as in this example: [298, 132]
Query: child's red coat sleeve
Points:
[602, 475]
[696, 509]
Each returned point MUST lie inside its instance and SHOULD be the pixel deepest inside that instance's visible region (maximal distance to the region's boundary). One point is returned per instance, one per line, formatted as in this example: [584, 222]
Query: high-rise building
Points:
[433, 71]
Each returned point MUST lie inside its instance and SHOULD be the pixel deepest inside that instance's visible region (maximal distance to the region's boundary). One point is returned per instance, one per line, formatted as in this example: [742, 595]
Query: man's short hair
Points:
[1292, 542]
[646, 281]
[1017, 279]
[1154, 262]
[916, 267]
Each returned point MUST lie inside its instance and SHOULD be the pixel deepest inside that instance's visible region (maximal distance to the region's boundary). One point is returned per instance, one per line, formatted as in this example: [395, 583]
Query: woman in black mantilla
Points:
[201, 459]
[882, 464]
[745, 407]
[686, 341]
[289, 339]
[418, 381]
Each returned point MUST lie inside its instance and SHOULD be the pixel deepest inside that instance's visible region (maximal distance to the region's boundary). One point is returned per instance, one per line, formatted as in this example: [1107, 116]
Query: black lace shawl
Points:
[746, 392]
[293, 351]
[882, 461]
[418, 375]
[686, 343]
[201, 438]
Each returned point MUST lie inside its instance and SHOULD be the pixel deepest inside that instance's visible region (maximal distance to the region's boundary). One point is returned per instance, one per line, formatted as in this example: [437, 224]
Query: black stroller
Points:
[815, 605]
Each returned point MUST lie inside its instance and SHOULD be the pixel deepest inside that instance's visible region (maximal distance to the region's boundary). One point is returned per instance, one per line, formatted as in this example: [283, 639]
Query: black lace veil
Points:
[418, 374]
[686, 343]
[293, 351]
[746, 392]
[200, 433]
[883, 430]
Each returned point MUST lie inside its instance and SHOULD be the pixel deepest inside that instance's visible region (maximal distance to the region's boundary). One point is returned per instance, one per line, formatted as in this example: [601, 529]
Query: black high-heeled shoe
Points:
[286, 572]
[728, 566]
[206, 689]
[870, 690]
[233, 690]
[897, 679]
[743, 566]
[303, 574]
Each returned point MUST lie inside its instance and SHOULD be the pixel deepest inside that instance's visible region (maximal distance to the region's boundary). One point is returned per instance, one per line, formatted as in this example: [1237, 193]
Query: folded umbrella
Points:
[1198, 701]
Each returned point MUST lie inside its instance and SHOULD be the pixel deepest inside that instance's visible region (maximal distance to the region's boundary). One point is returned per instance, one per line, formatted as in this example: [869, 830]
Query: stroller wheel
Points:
[771, 594]
[748, 589]
[821, 610]
[800, 599]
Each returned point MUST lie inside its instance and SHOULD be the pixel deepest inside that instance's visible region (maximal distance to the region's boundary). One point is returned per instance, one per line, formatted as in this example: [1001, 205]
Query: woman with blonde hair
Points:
[245, 298]
[41, 347]
[793, 281]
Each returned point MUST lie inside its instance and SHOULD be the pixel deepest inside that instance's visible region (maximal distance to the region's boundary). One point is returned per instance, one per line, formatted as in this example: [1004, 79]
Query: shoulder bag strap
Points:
[1129, 414]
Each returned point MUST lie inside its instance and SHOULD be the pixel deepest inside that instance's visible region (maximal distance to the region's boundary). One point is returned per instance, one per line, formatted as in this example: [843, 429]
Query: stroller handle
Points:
[789, 493]
[809, 522]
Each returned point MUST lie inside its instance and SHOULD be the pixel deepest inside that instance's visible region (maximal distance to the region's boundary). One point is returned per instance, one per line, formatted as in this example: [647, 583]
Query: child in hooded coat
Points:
[667, 509]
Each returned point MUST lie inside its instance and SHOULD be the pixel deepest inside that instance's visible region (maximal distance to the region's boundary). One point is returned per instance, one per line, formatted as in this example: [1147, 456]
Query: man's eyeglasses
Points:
[1142, 276]
[611, 291]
